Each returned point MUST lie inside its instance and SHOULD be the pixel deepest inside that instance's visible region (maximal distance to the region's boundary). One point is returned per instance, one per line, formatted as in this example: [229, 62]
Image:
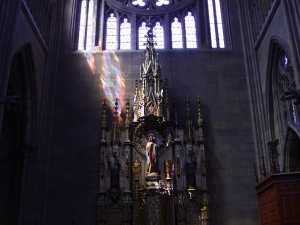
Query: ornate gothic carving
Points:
[160, 176]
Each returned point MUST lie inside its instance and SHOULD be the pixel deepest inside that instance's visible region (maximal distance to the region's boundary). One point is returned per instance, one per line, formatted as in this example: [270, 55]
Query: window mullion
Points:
[183, 27]
[167, 31]
[102, 26]
[134, 32]
[118, 33]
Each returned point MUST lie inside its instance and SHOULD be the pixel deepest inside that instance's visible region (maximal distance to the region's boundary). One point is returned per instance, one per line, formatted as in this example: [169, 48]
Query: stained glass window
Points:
[111, 32]
[176, 30]
[143, 35]
[125, 34]
[158, 32]
[190, 31]
[86, 26]
[215, 24]
[90, 31]
[82, 26]
[118, 32]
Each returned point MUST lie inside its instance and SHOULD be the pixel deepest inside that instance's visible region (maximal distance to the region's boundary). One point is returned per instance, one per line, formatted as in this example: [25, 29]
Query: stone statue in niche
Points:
[101, 210]
[151, 155]
[114, 167]
[190, 168]
[136, 170]
[180, 212]
[168, 169]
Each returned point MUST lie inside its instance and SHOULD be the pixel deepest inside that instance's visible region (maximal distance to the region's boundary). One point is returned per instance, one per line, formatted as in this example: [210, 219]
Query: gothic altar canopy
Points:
[151, 171]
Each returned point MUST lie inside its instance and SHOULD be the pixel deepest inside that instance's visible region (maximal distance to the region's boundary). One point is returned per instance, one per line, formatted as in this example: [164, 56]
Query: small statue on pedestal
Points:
[136, 170]
[114, 166]
[190, 167]
[168, 169]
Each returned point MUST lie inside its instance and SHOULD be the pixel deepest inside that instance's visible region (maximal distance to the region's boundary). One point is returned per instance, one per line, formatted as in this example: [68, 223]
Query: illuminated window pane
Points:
[212, 24]
[219, 24]
[216, 24]
[293, 113]
[158, 32]
[162, 2]
[125, 33]
[176, 30]
[143, 35]
[139, 2]
[287, 83]
[285, 61]
[82, 26]
[90, 32]
[190, 30]
[111, 32]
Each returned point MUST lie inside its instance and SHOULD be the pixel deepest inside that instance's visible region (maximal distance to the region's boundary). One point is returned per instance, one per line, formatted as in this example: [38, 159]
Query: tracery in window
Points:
[190, 30]
[125, 34]
[215, 24]
[86, 27]
[162, 2]
[176, 30]
[111, 32]
[139, 2]
[142, 3]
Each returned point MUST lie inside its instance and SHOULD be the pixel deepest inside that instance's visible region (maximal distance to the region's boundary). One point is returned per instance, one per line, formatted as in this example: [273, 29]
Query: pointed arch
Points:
[282, 113]
[19, 132]
[29, 95]
[291, 152]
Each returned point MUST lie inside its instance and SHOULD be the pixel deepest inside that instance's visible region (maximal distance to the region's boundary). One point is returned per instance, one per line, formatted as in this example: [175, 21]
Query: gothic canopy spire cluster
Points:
[149, 92]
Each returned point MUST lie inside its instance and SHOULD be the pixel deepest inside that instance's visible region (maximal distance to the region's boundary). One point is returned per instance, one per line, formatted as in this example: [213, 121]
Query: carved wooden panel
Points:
[290, 203]
[279, 200]
[268, 207]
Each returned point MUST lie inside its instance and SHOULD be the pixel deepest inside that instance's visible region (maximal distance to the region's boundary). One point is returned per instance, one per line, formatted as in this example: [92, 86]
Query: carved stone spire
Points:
[150, 98]
[167, 112]
[103, 139]
[115, 131]
[264, 171]
[200, 130]
[127, 121]
[176, 119]
[273, 165]
[136, 102]
[189, 129]
[255, 174]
